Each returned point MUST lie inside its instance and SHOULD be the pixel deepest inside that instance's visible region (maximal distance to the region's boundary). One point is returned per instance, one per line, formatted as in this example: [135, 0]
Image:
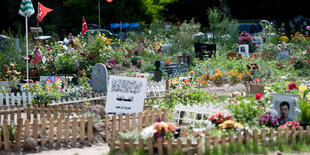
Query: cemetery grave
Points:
[163, 88]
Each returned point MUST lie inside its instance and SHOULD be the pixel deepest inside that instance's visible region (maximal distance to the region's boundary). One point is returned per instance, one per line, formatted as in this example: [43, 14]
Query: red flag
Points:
[42, 11]
[84, 27]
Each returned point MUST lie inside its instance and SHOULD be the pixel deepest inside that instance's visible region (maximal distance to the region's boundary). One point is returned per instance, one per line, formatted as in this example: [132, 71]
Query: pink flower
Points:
[247, 34]
[308, 27]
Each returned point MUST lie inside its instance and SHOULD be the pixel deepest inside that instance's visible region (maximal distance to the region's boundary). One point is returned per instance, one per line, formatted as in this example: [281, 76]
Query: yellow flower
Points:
[217, 70]
[302, 88]
[308, 96]
[182, 83]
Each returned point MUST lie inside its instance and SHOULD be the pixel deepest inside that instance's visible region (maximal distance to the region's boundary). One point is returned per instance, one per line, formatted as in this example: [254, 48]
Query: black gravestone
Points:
[202, 49]
[157, 72]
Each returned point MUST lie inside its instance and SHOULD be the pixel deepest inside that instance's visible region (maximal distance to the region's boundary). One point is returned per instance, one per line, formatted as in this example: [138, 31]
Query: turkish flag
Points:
[42, 11]
[84, 27]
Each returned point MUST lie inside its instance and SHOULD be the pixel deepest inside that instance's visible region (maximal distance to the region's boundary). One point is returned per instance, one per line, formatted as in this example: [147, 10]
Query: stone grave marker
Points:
[244, 50]
[99, 78]
[259, 42]
[284, 55]
[203, 49]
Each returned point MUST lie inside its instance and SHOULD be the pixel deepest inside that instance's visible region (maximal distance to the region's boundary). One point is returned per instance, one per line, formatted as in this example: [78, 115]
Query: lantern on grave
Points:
[185, 59]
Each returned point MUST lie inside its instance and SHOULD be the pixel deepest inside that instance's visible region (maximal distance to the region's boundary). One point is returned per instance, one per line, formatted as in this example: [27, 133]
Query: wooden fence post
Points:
[133, 122]
[28, 112]
[6, 135]
[150, 146]
[19, 133]
[160, 146]
[74, 129]
[35, 129]
[189, 147]
[263, 137]
[107, 127]
[207, 143]
[59, 130]
[169, 147]
[179, 146]
[42, 131]
[90, 129]
[67, 126]
[114, 126]
[51, 131]
[300, 135]
[82, 129]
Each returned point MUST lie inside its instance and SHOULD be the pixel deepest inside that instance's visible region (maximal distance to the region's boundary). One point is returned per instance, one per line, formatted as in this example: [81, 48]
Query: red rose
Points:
[309, 61]
[292, 86]
[91, 57]
[259, 96]
[215, 97]
[6, 68]
[83, 54]
[278, 64]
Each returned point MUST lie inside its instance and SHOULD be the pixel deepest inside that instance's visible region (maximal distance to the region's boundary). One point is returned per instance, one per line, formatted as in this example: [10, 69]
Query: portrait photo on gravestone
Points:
[285, 107]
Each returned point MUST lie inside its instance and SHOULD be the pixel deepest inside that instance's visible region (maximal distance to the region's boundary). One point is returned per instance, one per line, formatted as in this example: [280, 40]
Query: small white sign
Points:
[259, 42]
[244, 49]
[125, 95]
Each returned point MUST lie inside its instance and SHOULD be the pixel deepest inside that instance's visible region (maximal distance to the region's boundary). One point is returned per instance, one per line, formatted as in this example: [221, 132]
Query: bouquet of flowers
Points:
[246, 38]
[219, 118]
[290, 125]
[230, 124]
[160, 129]
[268, 120]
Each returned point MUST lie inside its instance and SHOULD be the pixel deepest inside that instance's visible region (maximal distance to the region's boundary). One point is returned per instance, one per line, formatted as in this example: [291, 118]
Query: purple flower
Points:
[158, 120]
[308, 27]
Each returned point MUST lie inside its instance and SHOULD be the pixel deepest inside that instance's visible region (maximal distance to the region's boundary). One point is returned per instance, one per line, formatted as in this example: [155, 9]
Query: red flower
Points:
[256, 80]
[278, 64]
[291, 86]
[215, 97]
[83, 54]
[91, 57]
[179, 23]
[6, 68]
[259, 96]
[234, 95]
[309, 61]
[255, 55]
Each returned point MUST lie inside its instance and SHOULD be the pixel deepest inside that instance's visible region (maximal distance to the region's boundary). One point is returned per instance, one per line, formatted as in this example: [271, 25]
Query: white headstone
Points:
[244, 50]
[125, 95]
[259, 42]
[99, 78]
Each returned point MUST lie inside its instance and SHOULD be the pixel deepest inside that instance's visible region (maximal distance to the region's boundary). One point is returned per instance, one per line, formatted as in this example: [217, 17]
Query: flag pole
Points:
[99, 12]
[27, 49]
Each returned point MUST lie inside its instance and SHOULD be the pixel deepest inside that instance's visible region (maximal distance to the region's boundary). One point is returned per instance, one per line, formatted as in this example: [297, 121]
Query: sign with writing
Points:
[244, 49]
[259, 42]
[125, 95]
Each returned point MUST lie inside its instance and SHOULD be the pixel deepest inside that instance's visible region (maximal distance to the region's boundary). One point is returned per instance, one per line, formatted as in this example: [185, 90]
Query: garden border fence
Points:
[283, 135]
[57, 128]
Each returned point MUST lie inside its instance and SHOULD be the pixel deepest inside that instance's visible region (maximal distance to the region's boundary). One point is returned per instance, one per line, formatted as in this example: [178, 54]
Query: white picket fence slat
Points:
[156, 89]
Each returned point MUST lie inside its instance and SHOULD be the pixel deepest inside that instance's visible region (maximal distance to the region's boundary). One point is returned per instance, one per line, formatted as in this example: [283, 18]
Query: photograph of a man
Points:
[284, 113]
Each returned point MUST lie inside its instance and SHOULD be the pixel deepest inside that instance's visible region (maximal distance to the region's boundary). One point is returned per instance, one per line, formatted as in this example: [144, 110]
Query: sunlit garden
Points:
[157, 84]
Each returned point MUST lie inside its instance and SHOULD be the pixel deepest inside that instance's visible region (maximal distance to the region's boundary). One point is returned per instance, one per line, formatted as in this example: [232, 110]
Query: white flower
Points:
[297, 110]
[148, 132]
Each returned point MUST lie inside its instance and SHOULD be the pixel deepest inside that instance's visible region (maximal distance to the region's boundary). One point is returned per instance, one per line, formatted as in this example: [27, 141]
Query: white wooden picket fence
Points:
[24, 98]
[155, 90]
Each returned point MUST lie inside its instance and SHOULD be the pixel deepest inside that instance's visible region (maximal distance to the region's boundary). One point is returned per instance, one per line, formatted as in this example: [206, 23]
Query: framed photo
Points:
[244, 50]
[285, 106]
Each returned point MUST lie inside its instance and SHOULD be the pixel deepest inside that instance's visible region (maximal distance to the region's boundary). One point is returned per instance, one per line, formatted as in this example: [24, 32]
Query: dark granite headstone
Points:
[99, 78]
[203, 49]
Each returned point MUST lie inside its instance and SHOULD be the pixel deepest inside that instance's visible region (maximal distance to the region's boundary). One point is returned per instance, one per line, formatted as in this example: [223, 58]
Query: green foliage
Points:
[246, 112]
[305, 109]
[129, 135]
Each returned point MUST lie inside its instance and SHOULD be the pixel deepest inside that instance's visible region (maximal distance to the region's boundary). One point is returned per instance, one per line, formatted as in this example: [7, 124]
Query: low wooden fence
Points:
[31, 112]
[46, 129]
[114, 124]
[205, 144]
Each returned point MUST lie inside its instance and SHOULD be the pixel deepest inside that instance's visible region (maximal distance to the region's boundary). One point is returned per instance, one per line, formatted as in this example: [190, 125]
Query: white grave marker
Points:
[259, 42]
[244, 50]
[125, 95]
